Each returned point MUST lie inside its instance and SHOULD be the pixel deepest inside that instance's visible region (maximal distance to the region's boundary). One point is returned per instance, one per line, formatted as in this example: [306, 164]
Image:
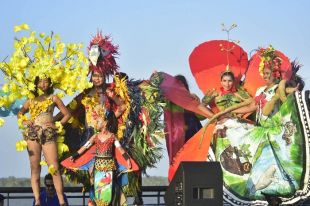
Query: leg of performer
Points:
[34, 152]
[50, 154]
[91, 189]
[118, 198]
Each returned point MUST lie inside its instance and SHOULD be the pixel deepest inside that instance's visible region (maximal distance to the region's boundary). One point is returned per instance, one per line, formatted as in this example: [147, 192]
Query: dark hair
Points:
[112, 123]
[48, 177]
[294, 81]
[183, 80]
[1, 198]
[122, 75]
[228, 73]
[50, 90]
[295, 78]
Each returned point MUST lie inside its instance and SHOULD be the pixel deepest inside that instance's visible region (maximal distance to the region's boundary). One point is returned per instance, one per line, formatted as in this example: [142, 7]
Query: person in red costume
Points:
[100, 155]
[90, 105]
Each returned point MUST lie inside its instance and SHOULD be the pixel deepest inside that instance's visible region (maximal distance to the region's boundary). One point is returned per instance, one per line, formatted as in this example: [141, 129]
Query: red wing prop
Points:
[253, 78]
[81, 161]
[192, 150]
[90, 154]
[207, 61]
[120, 159]
[175, 92]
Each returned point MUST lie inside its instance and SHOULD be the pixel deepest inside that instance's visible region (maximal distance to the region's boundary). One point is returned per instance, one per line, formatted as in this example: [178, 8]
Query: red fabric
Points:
[174, 131]
[207, 62]
[90, 154]
[261, 99]
[253, 78]
[224, 92]
[120, 159]
[87, 156]
[192, 151]
[172, 90]
[105, 145]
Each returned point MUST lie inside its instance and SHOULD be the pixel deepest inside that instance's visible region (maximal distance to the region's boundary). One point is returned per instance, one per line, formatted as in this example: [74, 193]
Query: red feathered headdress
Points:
[102, 55]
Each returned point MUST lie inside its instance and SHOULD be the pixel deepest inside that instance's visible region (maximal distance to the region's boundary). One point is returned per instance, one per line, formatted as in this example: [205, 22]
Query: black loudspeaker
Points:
[196, 184]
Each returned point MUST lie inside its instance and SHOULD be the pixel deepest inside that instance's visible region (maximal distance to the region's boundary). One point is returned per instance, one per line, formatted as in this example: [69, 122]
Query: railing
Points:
[25, 193]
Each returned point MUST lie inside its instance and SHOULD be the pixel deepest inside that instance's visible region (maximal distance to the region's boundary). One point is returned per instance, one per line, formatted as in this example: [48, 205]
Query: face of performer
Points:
[227, 82]
[100, 124]
[97, 79]
[50, 189]
[44, 84]
[267, 76]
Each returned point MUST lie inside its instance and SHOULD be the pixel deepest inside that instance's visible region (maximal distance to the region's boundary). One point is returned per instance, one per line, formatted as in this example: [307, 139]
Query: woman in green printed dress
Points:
[265, 161]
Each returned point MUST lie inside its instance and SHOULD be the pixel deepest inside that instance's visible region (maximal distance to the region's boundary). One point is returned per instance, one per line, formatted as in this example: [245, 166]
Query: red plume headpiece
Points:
[102, 55]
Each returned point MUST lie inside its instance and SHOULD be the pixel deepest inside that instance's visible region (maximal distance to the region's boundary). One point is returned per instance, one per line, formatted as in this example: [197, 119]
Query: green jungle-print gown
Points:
[267, 158]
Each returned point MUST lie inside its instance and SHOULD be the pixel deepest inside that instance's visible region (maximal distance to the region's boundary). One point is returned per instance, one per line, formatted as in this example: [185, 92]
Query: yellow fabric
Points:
[38, 107]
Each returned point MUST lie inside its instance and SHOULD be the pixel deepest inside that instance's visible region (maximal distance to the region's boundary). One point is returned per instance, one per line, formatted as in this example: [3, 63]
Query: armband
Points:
[87, 144]
[117, 144]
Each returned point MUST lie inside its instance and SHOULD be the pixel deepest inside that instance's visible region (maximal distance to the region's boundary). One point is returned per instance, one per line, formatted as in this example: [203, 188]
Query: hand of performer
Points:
[209, 96]
[129, 164]
[290, 90]
[74, 156]
[212, 93]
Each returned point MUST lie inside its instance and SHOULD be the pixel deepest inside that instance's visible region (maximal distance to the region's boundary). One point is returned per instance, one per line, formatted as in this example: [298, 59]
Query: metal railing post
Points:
[83, 198]
[158, 197]
[22, 193]
[8, 198]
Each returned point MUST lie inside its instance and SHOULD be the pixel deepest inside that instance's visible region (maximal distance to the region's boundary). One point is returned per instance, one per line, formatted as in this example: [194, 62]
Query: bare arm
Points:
[282, 90]
[85, 147]
[206, 101]
[290, 90]
[208, 113]
[63, 109]
[24, 108]
[241, 108]
[244, 106]
[240, 97]
[249, 108]
[71, 109]
[23, 111]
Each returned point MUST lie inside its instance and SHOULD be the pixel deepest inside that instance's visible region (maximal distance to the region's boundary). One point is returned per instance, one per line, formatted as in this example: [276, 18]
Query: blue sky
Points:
[154, 35]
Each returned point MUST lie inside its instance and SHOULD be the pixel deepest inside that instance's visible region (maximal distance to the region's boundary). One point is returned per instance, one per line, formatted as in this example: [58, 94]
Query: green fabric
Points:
[277, 162]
